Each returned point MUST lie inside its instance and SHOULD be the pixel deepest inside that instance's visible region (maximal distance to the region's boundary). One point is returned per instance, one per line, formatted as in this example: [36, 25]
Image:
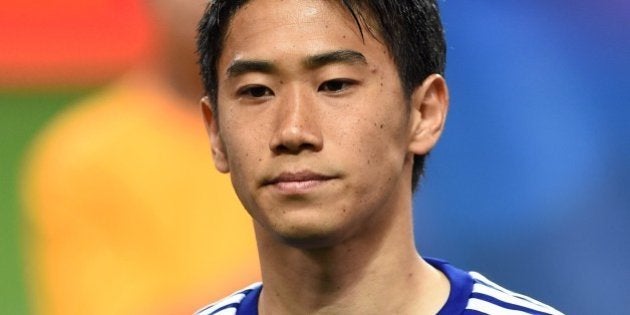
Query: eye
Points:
[336, 85]
[255, 91]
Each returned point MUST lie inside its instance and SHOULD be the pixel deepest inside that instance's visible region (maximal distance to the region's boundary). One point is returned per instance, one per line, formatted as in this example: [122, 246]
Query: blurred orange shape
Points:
[61, 42]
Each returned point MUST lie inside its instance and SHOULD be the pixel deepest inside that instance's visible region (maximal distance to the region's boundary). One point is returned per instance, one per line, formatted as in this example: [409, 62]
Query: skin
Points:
[318, 138]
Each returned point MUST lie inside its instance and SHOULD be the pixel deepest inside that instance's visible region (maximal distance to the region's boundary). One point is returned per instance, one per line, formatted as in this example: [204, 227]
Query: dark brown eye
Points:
[335, 85]
[255, 91]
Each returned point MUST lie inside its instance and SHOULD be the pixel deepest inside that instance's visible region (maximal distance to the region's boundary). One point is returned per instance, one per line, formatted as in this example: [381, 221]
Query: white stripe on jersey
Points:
[227, 311]
[234, 298]
[487, 287]
[490, 308]
[480, 278]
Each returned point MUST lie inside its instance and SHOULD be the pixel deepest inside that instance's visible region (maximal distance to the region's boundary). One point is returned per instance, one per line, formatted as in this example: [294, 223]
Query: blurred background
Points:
[109, 203]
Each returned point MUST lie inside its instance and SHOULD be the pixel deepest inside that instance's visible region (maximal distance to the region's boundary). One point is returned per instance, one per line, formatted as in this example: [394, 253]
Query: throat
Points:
[340, 281]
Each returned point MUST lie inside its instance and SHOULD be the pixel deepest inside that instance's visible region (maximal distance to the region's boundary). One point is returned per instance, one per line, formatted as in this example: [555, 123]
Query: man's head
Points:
[411, 31]
[308, 113]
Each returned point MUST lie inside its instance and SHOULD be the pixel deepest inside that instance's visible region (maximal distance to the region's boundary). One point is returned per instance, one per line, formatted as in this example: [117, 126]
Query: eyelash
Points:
[250, 91]
[260, 91]
[345, 84]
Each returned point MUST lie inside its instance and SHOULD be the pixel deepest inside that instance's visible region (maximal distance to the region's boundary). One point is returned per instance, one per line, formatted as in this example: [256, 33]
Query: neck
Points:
[377, 272]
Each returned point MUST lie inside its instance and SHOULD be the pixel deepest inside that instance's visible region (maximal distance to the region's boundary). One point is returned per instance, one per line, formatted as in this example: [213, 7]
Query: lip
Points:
[297, 182]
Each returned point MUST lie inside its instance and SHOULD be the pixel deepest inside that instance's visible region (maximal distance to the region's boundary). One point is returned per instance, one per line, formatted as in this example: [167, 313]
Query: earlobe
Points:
[216, 142]
[430, 103]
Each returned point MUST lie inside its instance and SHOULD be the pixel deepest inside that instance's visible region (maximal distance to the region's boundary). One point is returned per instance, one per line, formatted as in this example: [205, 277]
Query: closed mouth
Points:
[297, 177]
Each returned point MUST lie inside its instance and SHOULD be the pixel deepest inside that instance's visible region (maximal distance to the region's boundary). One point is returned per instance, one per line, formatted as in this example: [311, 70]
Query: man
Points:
[322, 112]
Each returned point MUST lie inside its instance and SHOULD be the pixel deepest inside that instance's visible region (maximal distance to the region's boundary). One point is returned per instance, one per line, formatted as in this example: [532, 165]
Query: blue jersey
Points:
[471, 294]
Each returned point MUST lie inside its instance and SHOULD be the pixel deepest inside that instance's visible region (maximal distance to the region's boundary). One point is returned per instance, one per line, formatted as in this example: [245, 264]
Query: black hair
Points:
[410, 29]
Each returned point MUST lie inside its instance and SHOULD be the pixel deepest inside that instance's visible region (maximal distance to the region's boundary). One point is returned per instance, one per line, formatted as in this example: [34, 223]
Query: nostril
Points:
[296, 139]
[293, 149]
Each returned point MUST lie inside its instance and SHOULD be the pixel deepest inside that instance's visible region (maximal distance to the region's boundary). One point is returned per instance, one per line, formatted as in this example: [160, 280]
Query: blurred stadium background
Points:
[529, 184]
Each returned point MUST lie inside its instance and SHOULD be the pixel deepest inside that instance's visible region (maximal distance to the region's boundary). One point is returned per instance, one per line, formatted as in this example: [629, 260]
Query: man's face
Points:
[312, 122]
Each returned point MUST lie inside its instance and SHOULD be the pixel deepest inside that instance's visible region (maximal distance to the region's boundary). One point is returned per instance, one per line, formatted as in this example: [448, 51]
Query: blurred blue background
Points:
[529, 184]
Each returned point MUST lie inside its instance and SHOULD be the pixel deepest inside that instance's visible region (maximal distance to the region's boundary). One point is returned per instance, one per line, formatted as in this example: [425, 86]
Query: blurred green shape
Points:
[22, 115]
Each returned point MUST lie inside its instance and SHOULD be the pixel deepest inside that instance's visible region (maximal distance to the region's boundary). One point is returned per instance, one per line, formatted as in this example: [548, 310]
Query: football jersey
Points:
[471, 293]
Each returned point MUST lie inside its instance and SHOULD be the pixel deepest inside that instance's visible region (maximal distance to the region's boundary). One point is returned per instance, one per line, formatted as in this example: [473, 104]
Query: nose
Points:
[297, 125]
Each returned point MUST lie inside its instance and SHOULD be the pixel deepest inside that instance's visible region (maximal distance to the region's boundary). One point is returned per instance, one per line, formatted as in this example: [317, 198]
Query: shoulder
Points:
[490, 298]
[230, 304]
[471, 293]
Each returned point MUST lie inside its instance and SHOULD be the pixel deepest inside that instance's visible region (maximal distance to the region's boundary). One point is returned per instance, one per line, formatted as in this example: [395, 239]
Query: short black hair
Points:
[411, 30]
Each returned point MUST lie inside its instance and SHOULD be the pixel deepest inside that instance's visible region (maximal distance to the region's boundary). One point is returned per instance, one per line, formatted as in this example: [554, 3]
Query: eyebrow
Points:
[240, 67]
[338, 56]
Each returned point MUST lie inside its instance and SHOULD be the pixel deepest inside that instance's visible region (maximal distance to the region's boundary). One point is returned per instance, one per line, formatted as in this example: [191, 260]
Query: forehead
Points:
[285, 12]
[271, 28]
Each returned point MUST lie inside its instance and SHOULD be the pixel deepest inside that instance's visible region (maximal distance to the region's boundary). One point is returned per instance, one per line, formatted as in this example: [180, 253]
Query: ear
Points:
[212, 126]
[429, 103]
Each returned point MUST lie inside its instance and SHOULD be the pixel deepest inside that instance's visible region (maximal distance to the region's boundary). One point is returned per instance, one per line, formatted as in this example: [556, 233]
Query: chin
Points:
[309, 243]
[310, 237]
[306, 227]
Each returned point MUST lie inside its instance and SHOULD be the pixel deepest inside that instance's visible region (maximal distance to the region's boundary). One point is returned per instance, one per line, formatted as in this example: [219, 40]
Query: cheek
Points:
[375, 141]
[241, 144]
[387, 121]
[243, 162]
[242, 152]
[386, 143]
